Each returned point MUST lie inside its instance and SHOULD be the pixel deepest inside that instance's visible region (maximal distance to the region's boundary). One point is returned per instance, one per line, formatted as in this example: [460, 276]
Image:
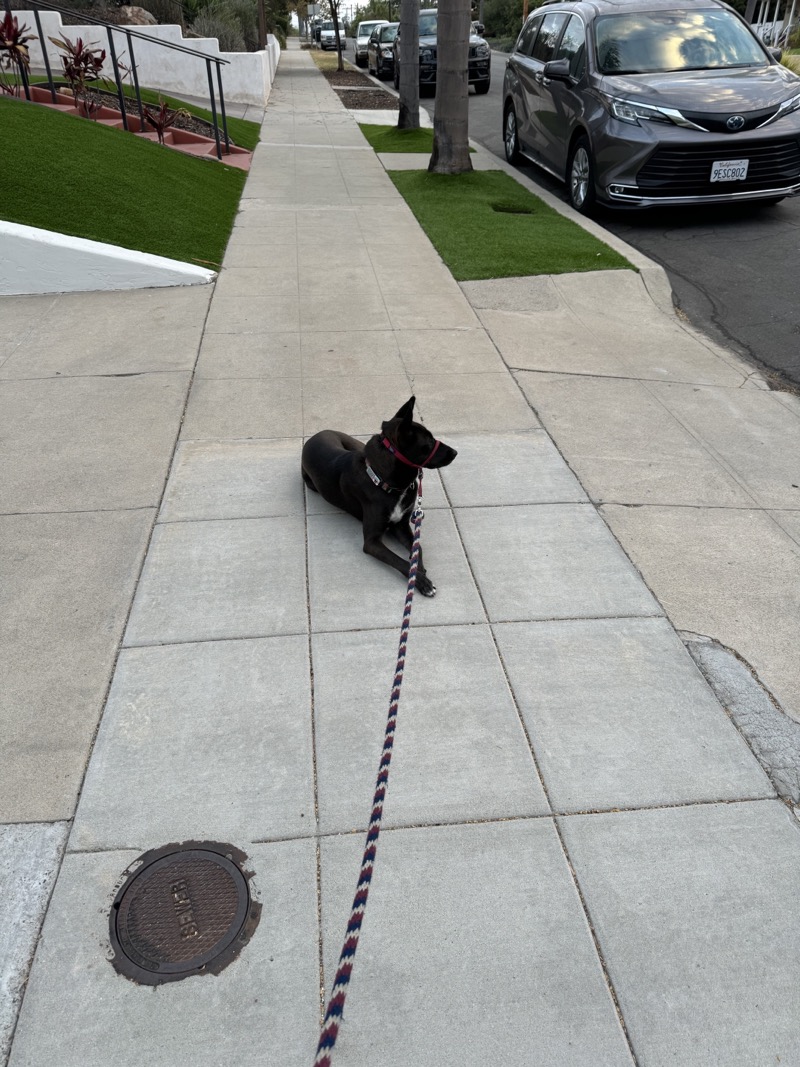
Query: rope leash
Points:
[335, 1010]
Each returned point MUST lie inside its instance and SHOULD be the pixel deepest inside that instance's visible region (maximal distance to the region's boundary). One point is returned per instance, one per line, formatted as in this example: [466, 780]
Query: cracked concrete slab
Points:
[730, 574]
[773, 735]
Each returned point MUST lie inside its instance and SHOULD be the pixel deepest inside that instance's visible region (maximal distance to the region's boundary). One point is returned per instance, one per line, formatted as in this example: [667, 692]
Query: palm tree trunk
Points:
[335, 15]
[451, 115]
[408, 117]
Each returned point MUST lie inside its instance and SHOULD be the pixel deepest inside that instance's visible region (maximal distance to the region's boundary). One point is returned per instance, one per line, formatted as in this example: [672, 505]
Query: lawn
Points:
[73, 176]
[484, 224]
[390, 139]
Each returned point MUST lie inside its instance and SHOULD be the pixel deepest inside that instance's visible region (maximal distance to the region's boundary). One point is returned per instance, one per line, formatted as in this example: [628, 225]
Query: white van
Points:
[327, 36]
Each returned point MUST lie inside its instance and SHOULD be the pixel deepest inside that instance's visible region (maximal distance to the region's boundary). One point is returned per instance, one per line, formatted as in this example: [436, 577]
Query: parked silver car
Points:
[652, 102]
[363, 34]
[380, 54]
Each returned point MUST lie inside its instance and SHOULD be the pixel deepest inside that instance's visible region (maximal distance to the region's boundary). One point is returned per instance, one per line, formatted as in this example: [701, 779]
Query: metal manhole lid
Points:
[185, 909]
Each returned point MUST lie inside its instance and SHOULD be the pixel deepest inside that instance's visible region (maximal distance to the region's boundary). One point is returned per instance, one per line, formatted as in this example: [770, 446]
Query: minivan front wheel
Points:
[580, 177]
[510, 139]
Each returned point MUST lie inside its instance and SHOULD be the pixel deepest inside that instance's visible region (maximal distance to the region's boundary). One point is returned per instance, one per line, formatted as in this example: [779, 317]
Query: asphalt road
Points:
[735, 272]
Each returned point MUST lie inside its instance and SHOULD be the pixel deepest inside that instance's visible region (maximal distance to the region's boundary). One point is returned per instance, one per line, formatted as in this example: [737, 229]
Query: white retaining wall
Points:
[246, 79]
[40, 261]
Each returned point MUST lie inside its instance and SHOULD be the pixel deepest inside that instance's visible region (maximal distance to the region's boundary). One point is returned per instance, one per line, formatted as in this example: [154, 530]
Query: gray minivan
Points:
[652, 102]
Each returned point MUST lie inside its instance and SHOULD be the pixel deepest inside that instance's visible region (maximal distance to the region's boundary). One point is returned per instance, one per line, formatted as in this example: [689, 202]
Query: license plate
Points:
[729, 170]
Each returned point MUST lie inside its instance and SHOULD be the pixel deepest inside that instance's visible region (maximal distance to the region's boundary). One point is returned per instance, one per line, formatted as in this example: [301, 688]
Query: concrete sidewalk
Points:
[583, 861]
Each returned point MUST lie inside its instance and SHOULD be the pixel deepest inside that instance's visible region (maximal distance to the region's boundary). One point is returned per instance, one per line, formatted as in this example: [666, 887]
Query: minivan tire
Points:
[580, 177]
[511, 135]
[482, 87]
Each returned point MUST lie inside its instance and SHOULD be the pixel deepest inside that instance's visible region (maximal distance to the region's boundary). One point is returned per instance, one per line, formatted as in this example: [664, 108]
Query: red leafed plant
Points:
[82, 62]
[165, 117]
[14, 56]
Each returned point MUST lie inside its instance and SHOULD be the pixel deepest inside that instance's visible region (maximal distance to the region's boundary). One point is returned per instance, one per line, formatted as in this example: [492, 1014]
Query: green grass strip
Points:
[73, 176]
[484, 224]
[390, 139]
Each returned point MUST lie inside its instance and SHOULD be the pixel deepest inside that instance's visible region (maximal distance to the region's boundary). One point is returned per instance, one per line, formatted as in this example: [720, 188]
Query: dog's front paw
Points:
[425, 585]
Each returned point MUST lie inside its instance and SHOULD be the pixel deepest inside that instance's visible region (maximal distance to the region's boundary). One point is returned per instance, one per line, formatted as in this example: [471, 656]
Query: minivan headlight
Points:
[630, 111]
[482, 49]
[792, 104]
[426, 53]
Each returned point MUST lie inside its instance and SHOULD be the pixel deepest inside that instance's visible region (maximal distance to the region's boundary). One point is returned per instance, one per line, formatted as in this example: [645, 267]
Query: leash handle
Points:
[335, 1009]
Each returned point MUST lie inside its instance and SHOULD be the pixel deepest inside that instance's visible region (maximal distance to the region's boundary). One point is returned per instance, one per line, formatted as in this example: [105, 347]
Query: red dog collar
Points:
[396, 452]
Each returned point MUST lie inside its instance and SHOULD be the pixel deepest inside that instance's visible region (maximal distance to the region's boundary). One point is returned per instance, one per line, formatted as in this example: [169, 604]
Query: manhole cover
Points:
[184, 910]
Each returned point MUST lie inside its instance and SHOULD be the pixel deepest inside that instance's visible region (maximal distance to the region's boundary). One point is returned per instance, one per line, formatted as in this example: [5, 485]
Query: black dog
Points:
[377, 482]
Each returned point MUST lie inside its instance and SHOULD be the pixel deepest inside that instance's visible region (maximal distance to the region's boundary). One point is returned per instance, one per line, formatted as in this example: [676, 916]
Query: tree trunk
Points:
[408, 52]
[451, 114]
[335, 16]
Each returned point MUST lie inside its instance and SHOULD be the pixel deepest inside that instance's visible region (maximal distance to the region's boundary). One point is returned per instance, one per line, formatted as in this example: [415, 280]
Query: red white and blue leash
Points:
[335, 1010]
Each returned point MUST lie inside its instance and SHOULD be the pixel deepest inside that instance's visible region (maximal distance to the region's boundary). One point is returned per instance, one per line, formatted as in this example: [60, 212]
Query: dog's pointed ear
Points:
[406, 412]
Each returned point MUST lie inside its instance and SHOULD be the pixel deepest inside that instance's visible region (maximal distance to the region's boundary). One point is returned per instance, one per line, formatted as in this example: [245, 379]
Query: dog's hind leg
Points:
[307, 480]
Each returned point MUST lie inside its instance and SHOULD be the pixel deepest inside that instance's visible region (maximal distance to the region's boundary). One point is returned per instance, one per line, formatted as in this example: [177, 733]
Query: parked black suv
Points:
[478, 64]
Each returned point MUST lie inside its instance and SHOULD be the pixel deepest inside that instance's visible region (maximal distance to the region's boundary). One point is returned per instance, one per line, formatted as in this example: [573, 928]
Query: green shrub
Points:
[167, 12]
[213, 22]
[503, 18]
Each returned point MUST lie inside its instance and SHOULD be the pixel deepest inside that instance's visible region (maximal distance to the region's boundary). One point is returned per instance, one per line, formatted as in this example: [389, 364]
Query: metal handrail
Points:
[37, 5]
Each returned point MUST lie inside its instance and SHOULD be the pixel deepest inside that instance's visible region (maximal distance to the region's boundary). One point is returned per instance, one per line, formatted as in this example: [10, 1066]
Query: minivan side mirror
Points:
[776, 53]
[557, 70]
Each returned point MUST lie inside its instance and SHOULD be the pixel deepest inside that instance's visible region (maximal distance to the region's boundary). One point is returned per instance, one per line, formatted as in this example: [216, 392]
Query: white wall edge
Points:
[42, 261]
[246, 76]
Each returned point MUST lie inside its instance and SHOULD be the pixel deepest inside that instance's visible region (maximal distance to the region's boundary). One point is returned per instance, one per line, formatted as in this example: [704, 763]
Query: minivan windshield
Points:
[650, 42]
[388, 34]
[365, 28]
[427, 25]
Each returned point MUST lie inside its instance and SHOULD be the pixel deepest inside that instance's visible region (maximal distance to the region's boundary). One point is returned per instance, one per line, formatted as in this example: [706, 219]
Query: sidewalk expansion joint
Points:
[622, 377]
[333, 147]
[84, 511]
[214, 640]
[663, 505]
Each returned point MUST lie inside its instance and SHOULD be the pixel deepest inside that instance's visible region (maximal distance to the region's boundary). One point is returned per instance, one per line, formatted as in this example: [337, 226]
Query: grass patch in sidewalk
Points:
[327, 60]
[74, 176]
[484, 224]
[390, 139]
